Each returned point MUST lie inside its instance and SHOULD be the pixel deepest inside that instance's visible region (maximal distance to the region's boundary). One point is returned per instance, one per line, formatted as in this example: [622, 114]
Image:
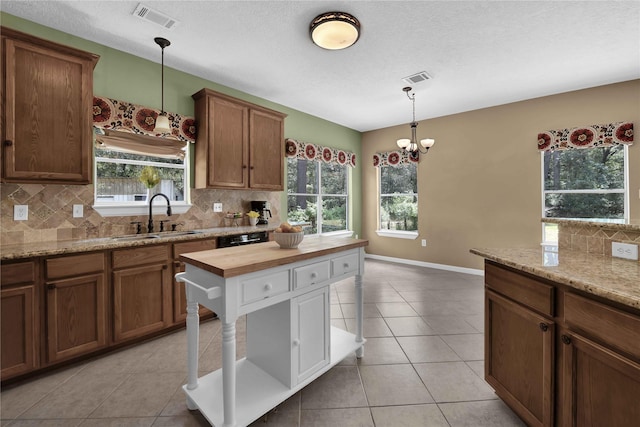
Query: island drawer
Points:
[520, 288]
[344, 265]
[310, 274]
[17, 273]
[74, 265]
[264, 287]
[606, 324]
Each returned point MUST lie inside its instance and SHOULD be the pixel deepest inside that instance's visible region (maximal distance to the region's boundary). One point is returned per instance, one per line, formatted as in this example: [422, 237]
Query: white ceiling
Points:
[479, 53]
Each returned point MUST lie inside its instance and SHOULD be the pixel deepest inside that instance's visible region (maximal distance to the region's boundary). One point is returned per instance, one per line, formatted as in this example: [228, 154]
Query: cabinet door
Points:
[179, 296]
[19, 320]
[519, 358]
[600, 387]
[76, 316]
[141, 301]
[48, 90]
[310, 333]
[266, 150]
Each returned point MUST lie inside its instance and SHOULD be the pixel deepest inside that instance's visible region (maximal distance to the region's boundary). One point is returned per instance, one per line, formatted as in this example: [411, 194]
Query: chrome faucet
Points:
[150, 225]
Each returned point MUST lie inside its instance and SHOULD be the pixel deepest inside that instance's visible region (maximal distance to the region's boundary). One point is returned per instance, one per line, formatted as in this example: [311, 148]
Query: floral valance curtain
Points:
[395, 158]
[586, 137]
[307, 151]
[111, 114]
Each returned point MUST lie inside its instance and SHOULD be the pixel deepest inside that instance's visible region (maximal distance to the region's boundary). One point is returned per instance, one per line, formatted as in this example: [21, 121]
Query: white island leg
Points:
[229, 371]
[359, 315]
[193, 337]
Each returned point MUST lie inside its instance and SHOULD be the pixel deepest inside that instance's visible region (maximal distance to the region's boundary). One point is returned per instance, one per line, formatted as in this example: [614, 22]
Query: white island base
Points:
[257, 391]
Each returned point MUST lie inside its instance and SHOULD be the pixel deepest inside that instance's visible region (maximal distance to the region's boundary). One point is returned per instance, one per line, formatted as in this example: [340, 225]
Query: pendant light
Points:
[335, 30]
[162, 122]
[411, 145]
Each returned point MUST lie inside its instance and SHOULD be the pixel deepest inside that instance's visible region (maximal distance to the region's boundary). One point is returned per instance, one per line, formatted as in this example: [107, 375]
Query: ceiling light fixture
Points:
[162, 121]
[335, 30]
[411, 145]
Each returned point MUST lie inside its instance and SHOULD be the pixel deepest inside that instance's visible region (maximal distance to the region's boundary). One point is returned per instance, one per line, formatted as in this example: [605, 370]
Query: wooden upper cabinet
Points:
[47, 95]
[240, 145]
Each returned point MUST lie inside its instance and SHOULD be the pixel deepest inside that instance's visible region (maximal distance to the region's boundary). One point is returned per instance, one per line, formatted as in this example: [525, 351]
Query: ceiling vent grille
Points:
[148, 14]
[420, 77]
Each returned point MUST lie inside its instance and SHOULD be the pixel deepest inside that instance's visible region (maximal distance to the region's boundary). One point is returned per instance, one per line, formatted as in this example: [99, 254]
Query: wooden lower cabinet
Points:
[179, 296]
[142, 299]
[576, 364]
[76, 302]
[19, 319]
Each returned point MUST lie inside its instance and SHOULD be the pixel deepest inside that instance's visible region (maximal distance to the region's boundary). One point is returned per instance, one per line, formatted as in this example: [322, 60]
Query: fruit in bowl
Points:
[287, 236]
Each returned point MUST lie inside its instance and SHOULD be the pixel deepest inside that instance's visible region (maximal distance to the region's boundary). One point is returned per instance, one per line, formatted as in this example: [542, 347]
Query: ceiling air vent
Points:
[148, 14]
[420, 77]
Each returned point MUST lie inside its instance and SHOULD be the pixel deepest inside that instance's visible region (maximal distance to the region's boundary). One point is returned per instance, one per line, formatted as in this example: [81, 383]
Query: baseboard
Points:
[464, 270]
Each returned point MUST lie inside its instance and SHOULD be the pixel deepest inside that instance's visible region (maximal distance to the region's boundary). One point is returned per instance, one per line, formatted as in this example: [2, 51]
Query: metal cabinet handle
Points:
[543, 327]
[296, 343]
[268, 287]
[8, 143]
[566, 340]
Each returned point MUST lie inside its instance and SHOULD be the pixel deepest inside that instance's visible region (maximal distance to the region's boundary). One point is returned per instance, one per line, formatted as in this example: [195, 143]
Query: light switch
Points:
[21, 212]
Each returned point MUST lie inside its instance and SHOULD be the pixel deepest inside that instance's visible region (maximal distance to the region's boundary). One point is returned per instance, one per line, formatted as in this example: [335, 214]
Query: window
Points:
[317, 194]
[584, 183]
[399, 197]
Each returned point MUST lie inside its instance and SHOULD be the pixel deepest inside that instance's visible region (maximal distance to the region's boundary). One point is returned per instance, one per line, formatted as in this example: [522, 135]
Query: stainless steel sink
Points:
[176, 233]
[133, 237]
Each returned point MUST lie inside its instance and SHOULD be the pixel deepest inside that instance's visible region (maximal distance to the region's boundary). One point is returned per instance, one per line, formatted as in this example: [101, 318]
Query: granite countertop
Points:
[27, 250]
[611, 278]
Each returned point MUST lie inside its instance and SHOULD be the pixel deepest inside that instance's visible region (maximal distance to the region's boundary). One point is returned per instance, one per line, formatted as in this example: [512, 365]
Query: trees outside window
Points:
[584, 183]
[317, 193]
[399, 197]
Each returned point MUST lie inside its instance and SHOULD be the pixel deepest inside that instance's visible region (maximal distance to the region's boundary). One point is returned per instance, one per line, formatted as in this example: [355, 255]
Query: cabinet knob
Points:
[8, 143]
[346, 265]
[51, 286]
[314, 275]
[244, 166]
[296, 343]
[543, 327]
[268, 287]
[165, 266]
[566, 340]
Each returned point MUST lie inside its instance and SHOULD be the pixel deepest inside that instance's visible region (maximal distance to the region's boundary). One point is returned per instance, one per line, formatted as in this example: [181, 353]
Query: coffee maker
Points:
[262, 208]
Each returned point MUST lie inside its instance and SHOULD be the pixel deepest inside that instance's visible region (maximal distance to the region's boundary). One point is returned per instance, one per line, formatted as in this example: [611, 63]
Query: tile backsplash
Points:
[50, 216]
[593, 238]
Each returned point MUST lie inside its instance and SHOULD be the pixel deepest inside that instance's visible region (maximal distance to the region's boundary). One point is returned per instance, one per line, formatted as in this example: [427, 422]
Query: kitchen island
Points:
[562, 335]
[285, 295]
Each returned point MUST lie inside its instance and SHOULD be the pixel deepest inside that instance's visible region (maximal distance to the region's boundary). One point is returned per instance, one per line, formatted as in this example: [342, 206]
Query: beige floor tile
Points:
[368, 310]
[340, 387]
[371, 327]
[194, 419]
[467, 346]
[395, 309]
[423, 349]
[409, 416]
[140, 395]
[382, 351]
[118, 422]
[336, 311]
[447, 308]
[477, 321]
[351, 417]
[492, 413]
[339, 323]
[44, 423]
[453, 382]
[445, 325]
[407, 387]
[477, 366]
[409, 326]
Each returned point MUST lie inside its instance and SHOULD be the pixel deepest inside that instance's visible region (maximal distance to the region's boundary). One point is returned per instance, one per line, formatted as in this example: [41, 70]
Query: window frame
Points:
[319, 196]
[398, 234]
[624, 191]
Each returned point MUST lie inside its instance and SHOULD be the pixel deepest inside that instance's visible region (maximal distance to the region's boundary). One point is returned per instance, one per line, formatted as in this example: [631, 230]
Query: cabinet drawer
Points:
[142, 255]
[264, 287]
[18, 273]
[310, 274]
[525, 290]
[606, 324]
[74, 265]
[197, 246]
[344, 265]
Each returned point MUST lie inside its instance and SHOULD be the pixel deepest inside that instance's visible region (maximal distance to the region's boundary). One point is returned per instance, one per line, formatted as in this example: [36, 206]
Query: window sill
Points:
[139, 209]
[397, 234]
[341, 233]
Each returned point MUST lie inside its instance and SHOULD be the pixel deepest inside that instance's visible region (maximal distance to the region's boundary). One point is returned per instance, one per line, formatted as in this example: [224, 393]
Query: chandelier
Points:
[411, 145]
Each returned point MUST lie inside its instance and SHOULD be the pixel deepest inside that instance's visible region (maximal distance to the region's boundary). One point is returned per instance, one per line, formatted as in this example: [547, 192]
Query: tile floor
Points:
[423, 367]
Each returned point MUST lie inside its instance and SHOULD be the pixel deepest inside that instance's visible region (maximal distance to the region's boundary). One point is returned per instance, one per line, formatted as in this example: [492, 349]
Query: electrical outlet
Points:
[424, 243]
[217, 207]
[624, 250]
[78, 211]
[21, 212]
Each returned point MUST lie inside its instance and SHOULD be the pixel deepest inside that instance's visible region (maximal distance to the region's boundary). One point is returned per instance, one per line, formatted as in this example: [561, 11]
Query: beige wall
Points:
[479, 186]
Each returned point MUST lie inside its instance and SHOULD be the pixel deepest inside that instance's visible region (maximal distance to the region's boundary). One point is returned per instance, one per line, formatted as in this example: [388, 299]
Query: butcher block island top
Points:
[238, 260]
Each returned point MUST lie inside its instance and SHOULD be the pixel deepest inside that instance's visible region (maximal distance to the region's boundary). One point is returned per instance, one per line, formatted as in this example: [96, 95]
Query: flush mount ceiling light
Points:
[411, 145]
[162, 121]
[334, 30]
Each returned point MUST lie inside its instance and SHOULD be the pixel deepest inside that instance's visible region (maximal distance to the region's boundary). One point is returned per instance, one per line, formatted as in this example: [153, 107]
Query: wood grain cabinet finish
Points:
[19, 322]
[239, 145]
[76, 305]
[47, 93]
[142, 300]
[179, 296]
[578, 368]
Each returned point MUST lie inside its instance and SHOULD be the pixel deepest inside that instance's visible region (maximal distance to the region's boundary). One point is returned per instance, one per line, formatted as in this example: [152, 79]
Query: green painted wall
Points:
[133, 79]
